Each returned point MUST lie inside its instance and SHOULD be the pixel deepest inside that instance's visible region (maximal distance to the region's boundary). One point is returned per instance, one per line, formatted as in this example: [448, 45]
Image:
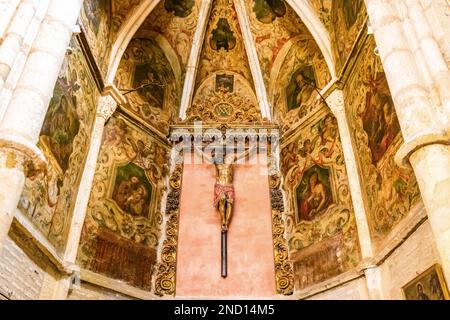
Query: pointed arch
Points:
[320, 34]
[126, 33]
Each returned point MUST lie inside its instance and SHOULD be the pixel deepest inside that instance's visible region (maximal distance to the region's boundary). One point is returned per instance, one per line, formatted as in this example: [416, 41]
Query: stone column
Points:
[14, 36]
[107, 105]
[336, 103]
[22, 122]
[7, 9]
[430, 52]
[426, 134]
[16, 45]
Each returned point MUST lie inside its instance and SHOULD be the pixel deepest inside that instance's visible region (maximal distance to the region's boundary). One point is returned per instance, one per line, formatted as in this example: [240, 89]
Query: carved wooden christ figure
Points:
[224, 193]
[224, 201]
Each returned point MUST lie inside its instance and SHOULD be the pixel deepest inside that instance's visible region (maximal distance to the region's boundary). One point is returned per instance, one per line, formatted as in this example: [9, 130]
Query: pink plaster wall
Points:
[250, 246]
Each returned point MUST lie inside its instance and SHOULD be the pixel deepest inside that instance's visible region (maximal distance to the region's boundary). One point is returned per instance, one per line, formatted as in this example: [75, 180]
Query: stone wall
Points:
[413, 257]
[20, 277]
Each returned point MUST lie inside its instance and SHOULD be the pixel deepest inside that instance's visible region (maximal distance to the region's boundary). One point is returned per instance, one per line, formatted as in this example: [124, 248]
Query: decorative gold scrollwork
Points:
[284, 271]
[166, 269]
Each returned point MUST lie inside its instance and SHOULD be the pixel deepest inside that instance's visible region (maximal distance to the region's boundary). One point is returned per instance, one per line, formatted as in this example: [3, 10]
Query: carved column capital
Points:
[106, 107]
[336, 102]
[108, 102]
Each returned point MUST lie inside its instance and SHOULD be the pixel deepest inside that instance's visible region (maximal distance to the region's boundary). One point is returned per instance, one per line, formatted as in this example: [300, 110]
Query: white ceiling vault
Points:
[138, 14]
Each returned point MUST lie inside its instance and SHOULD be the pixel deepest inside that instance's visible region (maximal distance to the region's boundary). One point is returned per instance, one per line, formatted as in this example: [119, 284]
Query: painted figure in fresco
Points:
[313, 194]
[180, 8]
[61, 126]
[150, 83]
[224, 193]
[420, 294]
[379, 118]
[223, 37]
[267, 11]
[152, 72]
[224, 83]
[301, 87]
[328, 134]
[132, 192]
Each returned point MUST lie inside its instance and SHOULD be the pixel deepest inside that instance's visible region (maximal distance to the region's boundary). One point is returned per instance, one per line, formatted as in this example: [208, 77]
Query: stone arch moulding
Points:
[126, 33]
[316, 28]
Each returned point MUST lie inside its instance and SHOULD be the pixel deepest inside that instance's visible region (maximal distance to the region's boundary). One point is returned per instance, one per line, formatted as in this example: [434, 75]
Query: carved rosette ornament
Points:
[284, 272]
[166, 269]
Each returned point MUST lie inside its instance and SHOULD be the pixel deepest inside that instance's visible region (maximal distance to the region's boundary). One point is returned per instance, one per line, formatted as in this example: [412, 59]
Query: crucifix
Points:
[224, 201]
[224, 194]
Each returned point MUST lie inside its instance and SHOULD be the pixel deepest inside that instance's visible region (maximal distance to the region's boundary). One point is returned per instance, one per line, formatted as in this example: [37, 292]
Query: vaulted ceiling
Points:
[254, 44]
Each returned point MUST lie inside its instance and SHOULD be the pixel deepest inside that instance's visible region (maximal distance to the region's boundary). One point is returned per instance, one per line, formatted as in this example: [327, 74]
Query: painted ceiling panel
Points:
[223, 47]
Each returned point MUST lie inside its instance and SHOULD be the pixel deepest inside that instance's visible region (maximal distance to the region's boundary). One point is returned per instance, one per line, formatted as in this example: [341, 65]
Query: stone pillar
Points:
[106, 107]
[22, 122]
[16, 45]
[7, 9]
[336, 103]
[430, 52]
[425, 131]
[14, 36]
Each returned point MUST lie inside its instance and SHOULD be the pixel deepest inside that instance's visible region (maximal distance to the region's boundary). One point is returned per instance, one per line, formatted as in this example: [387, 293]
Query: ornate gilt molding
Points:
[284, 271]
[166, 269]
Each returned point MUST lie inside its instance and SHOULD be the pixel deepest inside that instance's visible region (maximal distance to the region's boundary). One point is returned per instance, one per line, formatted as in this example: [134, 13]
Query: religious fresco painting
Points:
[320, 222]
[146, 76]
[180, 8]
[429, 285]
[224, 83]
[170, 20]
[267, 11]
[62, 124]
[124, 213]
[219, 96]
[96, 18]
[222, 37]
[223, 48]
[390, 191]
[313, 194]
[284, 46]
[348, 18]
[296, 91]
[301, 87]
[379, 119]
[150, 82]
[132, 191]
[49, 195]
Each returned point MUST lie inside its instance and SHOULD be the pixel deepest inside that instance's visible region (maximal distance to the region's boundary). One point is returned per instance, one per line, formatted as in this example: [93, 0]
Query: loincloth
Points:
[223, 190]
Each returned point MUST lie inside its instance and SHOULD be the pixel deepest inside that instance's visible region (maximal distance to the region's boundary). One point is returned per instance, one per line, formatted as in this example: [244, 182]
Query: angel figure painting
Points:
[132, 190]
[313, 194]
